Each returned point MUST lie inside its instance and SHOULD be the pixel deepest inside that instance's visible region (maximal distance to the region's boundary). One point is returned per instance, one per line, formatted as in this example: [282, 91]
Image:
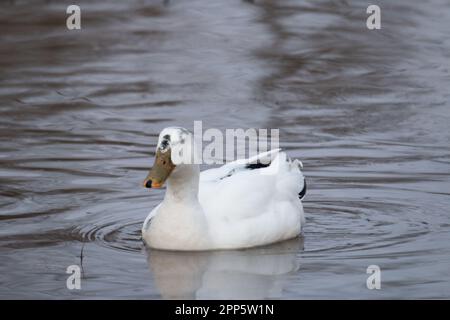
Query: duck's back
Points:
[253, 205]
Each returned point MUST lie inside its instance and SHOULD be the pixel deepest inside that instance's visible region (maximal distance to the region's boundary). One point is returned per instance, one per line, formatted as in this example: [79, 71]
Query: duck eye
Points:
[164, 145]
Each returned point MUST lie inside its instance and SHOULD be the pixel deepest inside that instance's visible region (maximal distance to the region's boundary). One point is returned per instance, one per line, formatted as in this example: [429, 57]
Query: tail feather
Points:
[302, 193]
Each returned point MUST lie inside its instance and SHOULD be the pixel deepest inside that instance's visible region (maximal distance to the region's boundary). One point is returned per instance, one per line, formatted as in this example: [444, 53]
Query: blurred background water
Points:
[366, 111]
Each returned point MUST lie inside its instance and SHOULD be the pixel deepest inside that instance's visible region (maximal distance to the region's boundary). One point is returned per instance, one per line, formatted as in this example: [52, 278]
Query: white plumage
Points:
[235, 206]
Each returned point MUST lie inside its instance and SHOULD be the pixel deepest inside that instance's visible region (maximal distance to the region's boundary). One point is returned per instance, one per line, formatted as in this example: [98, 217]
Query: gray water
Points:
[366, 111]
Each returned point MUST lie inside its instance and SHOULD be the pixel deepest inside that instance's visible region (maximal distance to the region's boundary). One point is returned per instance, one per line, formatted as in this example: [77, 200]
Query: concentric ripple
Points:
[361, 226]
[116, 234]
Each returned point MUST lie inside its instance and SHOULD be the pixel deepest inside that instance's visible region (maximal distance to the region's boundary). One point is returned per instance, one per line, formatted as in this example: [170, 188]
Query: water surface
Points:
[366, 111]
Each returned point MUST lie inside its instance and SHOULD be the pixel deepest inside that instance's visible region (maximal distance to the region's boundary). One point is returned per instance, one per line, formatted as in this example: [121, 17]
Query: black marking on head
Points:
[183, 130]
[257, 165]
[183, 133]
[165, 142]
[302, 193]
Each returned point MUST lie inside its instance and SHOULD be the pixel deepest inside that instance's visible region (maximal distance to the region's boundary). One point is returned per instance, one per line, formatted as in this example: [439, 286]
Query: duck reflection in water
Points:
[255, 273]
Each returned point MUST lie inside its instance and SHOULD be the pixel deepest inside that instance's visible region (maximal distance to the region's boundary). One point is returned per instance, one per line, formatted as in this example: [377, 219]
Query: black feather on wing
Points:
[257, 165]
[249, 166]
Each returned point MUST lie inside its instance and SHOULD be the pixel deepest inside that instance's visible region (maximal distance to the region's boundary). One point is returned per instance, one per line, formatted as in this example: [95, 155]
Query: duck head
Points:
[174, 149]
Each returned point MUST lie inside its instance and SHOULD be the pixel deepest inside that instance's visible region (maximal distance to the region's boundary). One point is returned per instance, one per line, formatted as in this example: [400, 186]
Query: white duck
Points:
[239, 205]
